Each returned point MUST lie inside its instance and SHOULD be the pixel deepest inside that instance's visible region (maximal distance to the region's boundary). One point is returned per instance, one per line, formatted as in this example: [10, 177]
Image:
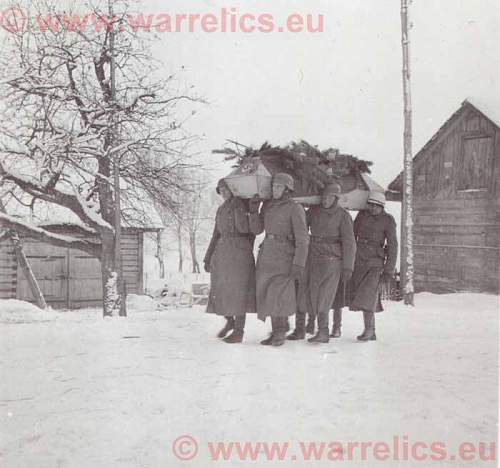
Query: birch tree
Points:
[407, 209]
[62, 133]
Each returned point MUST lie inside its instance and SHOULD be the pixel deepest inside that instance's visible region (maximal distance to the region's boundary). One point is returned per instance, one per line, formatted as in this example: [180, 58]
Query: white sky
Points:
[338, 88]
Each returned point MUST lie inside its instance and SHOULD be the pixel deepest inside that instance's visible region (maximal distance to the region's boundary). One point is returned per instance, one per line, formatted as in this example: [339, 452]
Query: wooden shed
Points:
[457, 205]
[69, 278]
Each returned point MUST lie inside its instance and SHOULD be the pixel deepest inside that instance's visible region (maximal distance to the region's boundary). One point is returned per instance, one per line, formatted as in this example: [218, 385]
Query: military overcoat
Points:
[331, 250]
[377, 251]
[286, 243]
[232, 263]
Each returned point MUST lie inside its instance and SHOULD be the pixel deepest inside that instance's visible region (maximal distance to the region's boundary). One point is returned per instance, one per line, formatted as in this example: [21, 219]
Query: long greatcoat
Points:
[232, 264]
[331, 250]
[377, 251]
[276, 295]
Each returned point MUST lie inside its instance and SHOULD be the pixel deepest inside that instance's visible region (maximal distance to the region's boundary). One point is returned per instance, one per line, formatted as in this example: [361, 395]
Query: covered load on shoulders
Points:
[310, 168]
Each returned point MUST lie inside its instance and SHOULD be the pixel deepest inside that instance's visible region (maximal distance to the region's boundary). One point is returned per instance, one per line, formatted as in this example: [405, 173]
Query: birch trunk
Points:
[407, 208]
[192, 245]
[159, 254]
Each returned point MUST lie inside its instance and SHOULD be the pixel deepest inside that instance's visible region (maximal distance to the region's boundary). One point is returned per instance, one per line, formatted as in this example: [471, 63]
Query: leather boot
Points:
[268, 340]
[300, 327]
[310, 325]
[369, 333]
[322, 335]
[239, 327]
[227, 327]
[365, 326]
[337, 323]
[280, 327]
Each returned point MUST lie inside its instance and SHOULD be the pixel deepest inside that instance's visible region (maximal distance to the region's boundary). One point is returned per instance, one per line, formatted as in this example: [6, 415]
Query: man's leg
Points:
[300, 327]
[280, 327]
[322, 335]
[227, 327]
[239, 329]
[369, 333]
[337, 322]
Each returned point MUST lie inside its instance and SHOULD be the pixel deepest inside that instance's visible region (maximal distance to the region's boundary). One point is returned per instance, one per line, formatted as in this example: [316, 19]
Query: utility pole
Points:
[407, 208]
[116, 166]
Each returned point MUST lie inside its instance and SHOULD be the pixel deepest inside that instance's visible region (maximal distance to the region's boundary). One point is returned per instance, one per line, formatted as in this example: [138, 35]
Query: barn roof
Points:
[494, 117]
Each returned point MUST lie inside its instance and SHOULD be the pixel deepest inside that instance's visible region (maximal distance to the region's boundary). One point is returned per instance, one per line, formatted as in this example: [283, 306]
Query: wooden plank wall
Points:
[8, 270]
[457, 230]
[68, 278]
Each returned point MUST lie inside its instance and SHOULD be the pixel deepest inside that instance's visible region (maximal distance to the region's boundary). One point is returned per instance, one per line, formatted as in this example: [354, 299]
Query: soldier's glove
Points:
[296, 272]
[253, 204]
[346, 275]
[386, 277]
[206, 266]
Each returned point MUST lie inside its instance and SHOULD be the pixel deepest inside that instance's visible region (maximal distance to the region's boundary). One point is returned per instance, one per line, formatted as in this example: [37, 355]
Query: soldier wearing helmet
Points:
[331, 257]
[376, 254]
[282, 256]
[231, 264]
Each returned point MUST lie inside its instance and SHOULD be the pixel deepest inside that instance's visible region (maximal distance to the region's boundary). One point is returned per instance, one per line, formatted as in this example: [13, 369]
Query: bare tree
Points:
[62, 131]
[407, 211]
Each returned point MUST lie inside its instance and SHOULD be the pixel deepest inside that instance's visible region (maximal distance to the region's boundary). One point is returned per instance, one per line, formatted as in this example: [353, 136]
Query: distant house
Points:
[457, 205]
[69, 278]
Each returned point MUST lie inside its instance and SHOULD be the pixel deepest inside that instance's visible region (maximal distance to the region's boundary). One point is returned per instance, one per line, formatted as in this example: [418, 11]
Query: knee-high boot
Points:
[369, 333]
[239, 327]
[280, 327]
[300, 327]
[337, 323]
[227, 327]
[322, 335]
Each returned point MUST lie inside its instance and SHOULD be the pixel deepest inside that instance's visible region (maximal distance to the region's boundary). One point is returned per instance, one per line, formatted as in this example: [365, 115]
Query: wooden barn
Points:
[457, 205]
[68, 278]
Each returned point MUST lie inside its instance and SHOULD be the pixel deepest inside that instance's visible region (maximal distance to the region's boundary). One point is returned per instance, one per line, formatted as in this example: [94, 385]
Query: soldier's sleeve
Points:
[256, 220]
[348, 242]
[211, 246]
[241, 221]
[301, 235]
[392, 246]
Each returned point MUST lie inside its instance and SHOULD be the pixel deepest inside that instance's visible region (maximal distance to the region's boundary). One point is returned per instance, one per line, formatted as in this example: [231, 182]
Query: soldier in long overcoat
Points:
[376, 255]
[231, 264]
[282, 256]
[331, 256]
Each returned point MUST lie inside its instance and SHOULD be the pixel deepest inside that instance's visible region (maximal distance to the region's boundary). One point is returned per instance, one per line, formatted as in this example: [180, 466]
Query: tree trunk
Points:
[192, 245]
[407, 208]
[159, 254]
[179, 246]
[110, 292]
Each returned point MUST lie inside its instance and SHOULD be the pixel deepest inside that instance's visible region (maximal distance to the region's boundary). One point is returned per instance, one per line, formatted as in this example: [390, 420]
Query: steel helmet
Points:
[285, 179]
[333, 187]
[376, 198]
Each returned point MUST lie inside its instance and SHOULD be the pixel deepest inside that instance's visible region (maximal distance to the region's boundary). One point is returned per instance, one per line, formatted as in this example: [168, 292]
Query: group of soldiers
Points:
[309, 262]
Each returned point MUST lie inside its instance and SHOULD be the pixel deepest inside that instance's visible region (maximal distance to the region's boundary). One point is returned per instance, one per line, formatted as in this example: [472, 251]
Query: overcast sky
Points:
[342, 87]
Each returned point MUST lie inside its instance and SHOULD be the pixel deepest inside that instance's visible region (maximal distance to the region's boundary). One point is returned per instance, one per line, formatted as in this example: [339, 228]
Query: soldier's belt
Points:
[279, 238]
[369, 242]
[233, 234]
[326, 240]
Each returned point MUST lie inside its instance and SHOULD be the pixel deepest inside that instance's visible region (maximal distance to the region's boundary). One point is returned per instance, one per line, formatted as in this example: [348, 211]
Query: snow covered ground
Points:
[79, 391]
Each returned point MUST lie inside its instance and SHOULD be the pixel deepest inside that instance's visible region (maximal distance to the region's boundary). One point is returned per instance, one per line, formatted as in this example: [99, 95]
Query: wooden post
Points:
[28, 272]
[407, 207]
